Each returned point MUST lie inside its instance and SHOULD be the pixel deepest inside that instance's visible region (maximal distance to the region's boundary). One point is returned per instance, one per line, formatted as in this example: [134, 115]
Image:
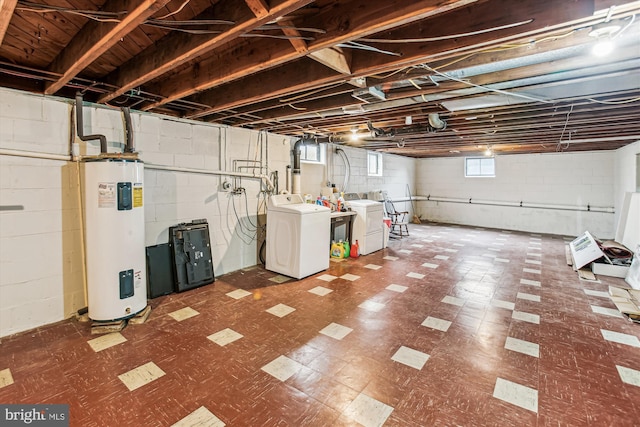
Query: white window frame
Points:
[321, 149]
[378, 169]
[481, 174]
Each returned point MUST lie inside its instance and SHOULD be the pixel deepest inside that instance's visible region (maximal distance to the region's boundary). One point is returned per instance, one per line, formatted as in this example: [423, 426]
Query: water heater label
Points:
[106, 194]
[137, 279]
[137, 195]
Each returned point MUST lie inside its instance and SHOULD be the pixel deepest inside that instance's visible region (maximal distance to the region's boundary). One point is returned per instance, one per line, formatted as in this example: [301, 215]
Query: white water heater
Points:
[114, 237]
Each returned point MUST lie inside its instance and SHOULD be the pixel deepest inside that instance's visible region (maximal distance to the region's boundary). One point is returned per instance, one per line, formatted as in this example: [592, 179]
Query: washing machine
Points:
[367, 227]
[298, 236]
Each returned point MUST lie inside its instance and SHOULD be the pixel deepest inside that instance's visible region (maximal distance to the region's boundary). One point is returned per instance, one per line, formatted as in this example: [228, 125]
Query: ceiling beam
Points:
[6, 12]
[297, 74]
[347, 21]
[95, 38]
[555, 68]
[335, 58]
[260, 8]
[178, 48]
[332, 57]
[550, 13]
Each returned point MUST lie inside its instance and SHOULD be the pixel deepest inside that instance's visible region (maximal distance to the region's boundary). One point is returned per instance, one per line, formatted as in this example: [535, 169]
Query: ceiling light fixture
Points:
[488, 152]
[354, 133]
[604, 35]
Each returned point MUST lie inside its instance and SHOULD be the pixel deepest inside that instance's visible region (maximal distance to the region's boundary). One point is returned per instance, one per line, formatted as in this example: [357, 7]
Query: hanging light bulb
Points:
[604, 35]
[354, 133]
[488, 152]
[602, 48]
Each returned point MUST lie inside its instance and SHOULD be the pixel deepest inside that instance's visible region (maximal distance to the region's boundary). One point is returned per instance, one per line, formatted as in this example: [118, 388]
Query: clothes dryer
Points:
[367, 227]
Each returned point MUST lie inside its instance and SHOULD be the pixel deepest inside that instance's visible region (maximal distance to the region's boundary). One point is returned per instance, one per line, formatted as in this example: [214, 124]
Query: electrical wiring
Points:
[386, 76]
[291, 27]
[248, 35]
[626, 101]
[190, 23]
[273, 36]
[356, 45]
[347, 165]
[506, 47]
[448, 37]
[246, 206]
[240, 227]
[503, 92]
[559, 147]
[633, 18]
[415, 84]
[95, 15]
[306, 94]
[296, 108]
[170, 25]
[175, 11]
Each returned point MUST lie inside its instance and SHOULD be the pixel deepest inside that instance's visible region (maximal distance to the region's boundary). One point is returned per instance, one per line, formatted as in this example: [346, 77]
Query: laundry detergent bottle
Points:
[355, 250]
[337, 250]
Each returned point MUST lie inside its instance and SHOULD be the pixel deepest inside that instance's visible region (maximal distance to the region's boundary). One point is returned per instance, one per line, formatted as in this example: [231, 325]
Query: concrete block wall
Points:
[398, 173]
[40, 276]
[41, 273]
[574, 179]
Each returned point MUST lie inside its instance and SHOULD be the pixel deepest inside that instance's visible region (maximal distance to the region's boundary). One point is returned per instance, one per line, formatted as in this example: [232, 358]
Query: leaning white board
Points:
[628, 231]
[633, 275]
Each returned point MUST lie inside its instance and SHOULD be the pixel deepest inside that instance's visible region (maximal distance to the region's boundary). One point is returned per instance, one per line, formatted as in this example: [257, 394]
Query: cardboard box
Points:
[610, 269]
[627, 301]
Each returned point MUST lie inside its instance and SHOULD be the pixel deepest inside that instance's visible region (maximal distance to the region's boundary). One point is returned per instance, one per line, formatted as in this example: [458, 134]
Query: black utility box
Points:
[159, 270]
[191, 249]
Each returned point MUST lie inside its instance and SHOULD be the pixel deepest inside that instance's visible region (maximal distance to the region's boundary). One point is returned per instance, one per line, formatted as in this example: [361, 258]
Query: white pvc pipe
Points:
[295, 186]
[34, 155]
[264, 178]
[473, 201]
[47, 156]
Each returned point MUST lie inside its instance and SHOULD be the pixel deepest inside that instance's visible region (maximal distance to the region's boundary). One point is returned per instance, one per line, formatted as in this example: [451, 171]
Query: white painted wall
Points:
[40, 224]
[40, 250]
[577, 179]
[398, 173]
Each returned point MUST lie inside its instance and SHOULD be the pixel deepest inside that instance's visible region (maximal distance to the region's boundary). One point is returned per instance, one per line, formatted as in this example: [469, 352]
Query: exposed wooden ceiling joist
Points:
[6, 11]
[413, 53]
[180, 48]
[345, 21]
[516, 75]
[95, 38]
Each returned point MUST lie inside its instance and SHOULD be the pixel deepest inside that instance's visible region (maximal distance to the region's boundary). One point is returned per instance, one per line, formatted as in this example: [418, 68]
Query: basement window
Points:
[479, 167]
[374, 163]
[312, 153]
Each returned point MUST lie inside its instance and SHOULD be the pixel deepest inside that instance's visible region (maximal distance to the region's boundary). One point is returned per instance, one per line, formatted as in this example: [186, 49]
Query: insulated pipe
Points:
[297, 152]
[436, 122]
[264, 178]
[128, 130]
[288, 179]
[80, 127]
